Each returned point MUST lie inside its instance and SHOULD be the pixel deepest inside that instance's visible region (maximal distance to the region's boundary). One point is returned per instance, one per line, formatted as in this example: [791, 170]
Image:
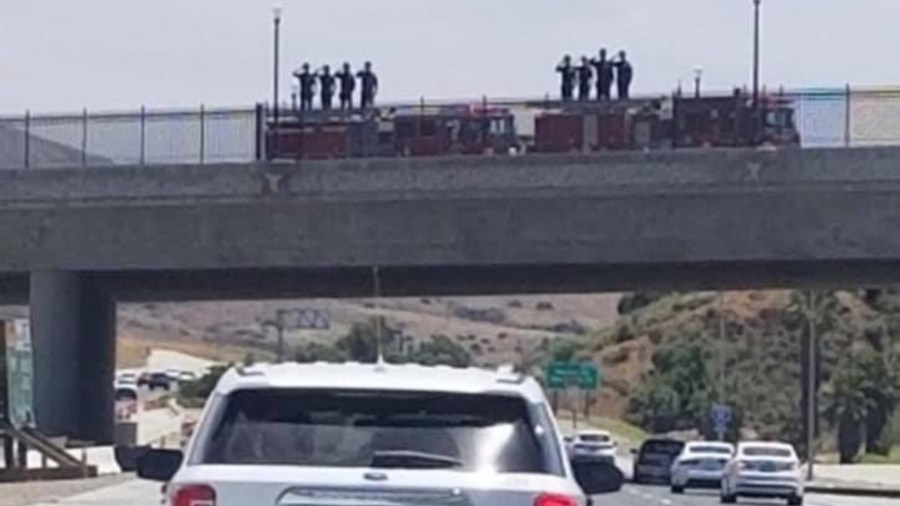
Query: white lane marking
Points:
[667, 502]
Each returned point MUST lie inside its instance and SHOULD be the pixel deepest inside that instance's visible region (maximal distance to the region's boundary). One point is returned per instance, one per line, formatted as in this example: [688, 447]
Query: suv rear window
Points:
[661, 447]
[339, 428]
[594, 438]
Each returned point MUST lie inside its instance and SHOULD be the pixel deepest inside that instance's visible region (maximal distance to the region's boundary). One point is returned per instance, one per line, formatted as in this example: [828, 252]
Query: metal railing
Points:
[832, 117]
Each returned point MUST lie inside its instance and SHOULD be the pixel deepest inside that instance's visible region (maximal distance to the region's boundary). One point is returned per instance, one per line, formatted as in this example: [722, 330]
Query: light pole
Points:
[811, 387]
[278, 325]
[276, 63]
[756, 5]
[698, 77]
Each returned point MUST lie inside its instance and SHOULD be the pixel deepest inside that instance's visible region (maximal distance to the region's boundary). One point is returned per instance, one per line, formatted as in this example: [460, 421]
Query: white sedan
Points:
[700, 465]
[763, 469]
[596, 444]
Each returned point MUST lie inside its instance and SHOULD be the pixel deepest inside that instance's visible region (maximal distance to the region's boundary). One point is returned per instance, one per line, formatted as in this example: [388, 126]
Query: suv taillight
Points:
[194, 495]
[555, 500]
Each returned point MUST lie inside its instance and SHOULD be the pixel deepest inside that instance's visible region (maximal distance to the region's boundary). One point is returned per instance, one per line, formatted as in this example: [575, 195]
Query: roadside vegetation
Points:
[760, 365]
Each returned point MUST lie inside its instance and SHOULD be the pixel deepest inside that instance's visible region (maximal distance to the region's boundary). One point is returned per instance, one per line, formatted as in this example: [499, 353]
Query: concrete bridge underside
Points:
[78, 240]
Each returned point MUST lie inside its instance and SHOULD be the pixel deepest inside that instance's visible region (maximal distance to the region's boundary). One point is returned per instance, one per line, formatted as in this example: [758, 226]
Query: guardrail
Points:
[825, 117]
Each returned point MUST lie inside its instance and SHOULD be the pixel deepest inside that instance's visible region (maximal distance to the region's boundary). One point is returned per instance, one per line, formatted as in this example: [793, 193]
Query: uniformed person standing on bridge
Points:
[624, 75]
[605, 76]
[307, 81]
[585, 78]
[567, 78]
[326, 82]
[368, 82]
[348, 85]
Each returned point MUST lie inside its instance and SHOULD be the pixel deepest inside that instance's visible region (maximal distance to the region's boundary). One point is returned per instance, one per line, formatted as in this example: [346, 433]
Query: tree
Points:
[440, 349]
[678, 393]
[847, 406]
[196, 392]
[319, 352]
[881, 390]
[360, 343]
[631, 302]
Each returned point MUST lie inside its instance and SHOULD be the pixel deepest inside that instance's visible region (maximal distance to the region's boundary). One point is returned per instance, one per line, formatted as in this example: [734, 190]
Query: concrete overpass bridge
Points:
[80, 239]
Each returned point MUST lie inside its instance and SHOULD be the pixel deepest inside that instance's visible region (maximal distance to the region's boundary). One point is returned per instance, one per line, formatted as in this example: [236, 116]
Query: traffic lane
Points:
[631, 496]
[662, 495]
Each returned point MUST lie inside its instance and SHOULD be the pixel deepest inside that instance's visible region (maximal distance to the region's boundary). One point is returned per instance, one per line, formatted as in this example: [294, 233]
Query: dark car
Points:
[653, 462]
[159, 380]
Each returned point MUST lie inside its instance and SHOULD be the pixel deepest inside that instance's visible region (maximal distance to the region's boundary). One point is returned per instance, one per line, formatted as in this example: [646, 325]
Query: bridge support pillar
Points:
[73, 326]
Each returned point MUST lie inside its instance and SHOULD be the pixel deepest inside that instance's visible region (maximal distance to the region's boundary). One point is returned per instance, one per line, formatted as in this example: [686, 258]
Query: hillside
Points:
[666, 362]
[493, 329]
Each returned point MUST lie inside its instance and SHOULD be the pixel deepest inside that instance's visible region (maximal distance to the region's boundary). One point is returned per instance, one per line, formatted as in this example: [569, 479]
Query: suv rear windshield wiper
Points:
[405, 459]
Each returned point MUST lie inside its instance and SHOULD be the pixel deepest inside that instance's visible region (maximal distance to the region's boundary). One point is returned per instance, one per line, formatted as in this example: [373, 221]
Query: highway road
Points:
[635, 495]
[142, 493]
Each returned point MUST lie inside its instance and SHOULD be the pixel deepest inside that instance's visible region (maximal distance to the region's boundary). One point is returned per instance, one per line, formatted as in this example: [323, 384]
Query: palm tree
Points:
[847, 406]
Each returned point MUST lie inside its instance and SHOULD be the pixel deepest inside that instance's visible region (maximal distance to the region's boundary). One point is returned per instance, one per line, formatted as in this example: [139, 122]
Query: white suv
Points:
[337, 434]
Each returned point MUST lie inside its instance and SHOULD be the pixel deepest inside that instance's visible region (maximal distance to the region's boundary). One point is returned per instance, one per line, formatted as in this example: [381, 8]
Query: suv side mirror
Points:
[597, 476]
[159, 465]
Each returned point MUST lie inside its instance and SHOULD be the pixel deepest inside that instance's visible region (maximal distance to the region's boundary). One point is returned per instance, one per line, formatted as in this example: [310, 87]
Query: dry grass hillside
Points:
[626, 348]
[493, 329]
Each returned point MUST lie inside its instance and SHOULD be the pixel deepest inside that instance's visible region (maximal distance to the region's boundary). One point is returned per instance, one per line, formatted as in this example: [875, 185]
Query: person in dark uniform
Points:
[368, 83]
[585, 78]
[605, 76]
[326, 91]
[348, 85]
[624, 75]
[567, 77]
[307, 81]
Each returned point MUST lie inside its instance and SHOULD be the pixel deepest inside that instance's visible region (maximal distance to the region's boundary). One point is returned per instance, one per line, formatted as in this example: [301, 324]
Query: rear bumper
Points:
[767, 488]
[651, 473]
[695, 478]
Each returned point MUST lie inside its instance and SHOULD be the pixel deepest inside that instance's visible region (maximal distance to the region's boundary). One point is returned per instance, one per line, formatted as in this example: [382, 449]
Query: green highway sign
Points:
[19, 380]
[583, 375]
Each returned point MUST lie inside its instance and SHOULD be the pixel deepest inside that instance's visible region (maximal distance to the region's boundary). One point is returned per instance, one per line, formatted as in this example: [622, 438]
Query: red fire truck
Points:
[407, 131]
[667, 123]
[464, 130]
[642, 124]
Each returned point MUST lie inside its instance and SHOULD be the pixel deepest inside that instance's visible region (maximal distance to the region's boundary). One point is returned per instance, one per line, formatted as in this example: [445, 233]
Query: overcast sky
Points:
[62, 55]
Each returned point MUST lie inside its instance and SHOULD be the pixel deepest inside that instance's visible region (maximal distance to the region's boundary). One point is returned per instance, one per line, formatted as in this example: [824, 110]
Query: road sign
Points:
[19, 372]
[721, 417]
[721, 413]
[561, 375]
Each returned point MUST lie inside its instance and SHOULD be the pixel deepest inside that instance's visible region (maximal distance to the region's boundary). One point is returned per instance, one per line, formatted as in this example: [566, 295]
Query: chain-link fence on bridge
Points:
[834, 117]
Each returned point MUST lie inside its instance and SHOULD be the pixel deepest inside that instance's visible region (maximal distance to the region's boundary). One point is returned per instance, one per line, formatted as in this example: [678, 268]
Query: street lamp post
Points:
[276, 64]
[812, 347]
[698, 77]
[756, 5]
[277, 324]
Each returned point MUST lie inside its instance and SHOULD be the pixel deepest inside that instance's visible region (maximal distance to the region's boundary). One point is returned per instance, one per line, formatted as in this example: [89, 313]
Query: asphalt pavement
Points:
[142, 493]
[643, 495]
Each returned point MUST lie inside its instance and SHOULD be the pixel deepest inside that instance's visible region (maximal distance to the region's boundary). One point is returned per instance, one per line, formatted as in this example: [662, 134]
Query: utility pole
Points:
[811, 387]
